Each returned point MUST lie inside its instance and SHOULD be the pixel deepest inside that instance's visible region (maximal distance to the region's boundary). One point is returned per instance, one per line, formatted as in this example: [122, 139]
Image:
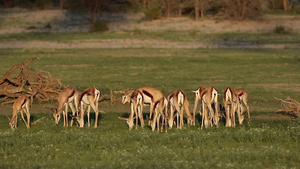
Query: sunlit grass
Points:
[170, 36]
[112, 145]
[264, 73]
[268, 140]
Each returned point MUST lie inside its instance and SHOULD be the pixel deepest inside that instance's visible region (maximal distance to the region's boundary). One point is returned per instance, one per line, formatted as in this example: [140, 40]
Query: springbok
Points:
[150, 95]
[21, 104]
[231, 104]
[160, 113]
[68, 95]
[177, 100]
[208, 97]
[136, 106]
[243, 97]
[89, 98]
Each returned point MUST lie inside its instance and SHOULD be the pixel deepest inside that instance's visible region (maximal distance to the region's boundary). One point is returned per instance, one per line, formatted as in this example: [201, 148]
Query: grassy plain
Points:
[174, 36]
[268, 140]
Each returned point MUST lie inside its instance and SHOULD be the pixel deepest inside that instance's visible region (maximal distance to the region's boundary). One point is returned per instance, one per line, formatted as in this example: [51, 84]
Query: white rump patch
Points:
[228, 95]
[180, 98]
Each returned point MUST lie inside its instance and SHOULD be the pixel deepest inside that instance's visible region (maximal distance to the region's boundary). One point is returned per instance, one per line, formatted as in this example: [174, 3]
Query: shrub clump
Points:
[280, 29]
[99, 26]
[290, 107]
[153, 11]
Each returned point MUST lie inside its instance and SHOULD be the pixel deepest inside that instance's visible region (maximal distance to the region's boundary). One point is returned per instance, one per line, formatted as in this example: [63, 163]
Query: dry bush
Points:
[33, 83]
[289, 106]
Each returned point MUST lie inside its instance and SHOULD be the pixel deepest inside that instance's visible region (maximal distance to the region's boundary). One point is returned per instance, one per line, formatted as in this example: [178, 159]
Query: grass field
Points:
[267, 140]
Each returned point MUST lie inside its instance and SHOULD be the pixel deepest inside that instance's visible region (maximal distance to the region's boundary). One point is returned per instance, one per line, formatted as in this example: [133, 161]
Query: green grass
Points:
[256, 144]
[265, 73]
[268, 140]
[171, 36]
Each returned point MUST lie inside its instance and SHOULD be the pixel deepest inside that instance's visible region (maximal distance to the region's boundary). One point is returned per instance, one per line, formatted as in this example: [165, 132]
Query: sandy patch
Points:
[65, 21]
[18, 21]
[133, 43]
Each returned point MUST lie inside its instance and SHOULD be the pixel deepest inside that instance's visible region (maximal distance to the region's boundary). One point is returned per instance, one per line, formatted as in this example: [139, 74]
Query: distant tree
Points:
[196, 10]
[142, 4]
[183, 4]
[180, 8]
[241, 9]
[61, 2]
[94, 9]
[8, 3]
[201, 7]
[175, 7]
[153, 10]
[172, 7]
[287, 4]
[145, 3]
[167, 7]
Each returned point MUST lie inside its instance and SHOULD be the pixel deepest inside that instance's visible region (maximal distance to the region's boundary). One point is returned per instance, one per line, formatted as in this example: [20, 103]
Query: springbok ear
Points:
[54, 110]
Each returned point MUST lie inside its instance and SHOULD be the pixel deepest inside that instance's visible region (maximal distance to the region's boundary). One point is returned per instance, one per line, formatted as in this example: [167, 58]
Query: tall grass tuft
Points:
[99, 26]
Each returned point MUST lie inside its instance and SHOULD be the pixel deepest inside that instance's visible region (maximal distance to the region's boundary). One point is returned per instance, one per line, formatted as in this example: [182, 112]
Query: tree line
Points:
[154, 9]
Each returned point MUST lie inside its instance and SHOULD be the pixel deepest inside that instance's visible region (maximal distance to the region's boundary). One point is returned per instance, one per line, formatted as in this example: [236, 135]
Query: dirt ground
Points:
[19, 20]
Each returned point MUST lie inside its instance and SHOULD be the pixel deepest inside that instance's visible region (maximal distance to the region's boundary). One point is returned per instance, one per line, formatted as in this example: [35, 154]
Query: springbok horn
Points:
[75, 117]
[54, 110]
[7, 116]
[122, 118]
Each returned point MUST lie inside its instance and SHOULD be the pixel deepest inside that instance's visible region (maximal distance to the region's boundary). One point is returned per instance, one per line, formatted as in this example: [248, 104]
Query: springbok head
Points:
[128, 121]
[12, 122]
[56, 115]
[126, 97]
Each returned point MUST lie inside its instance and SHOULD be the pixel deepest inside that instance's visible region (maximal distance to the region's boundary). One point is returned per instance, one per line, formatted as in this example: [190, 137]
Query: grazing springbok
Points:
[68, 96]
[231, 104]
[243, 97]
[89, 98]
[21, 104]
[136, 108]
[198, 97]
[209, 98]
[177, 101]
[160, 114]
[150, 95]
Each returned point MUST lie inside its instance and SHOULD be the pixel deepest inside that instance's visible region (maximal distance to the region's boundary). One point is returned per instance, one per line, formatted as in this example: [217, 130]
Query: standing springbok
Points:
[243, 97]
[231, 105]
[160, 113]
[68, 95]
[20, 104]
[208, 97]
[136, 108]
[89, 98]
[150, 95]
[177, 101]
[198, 97]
